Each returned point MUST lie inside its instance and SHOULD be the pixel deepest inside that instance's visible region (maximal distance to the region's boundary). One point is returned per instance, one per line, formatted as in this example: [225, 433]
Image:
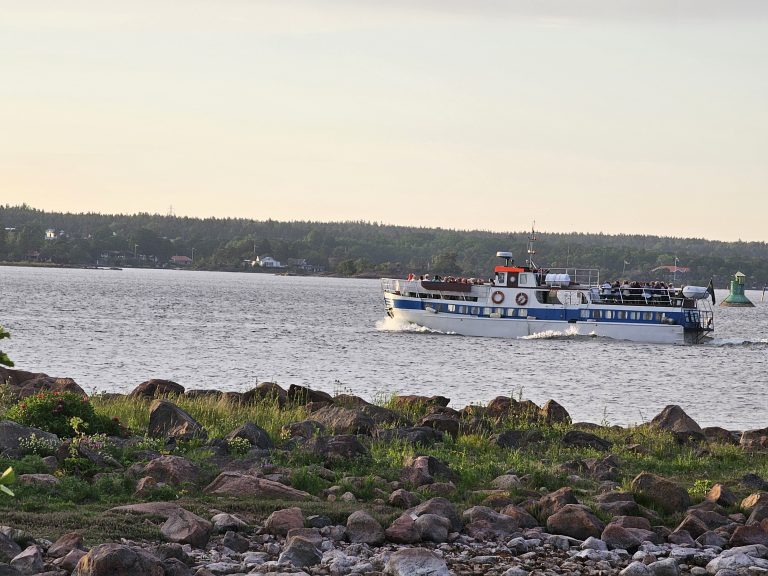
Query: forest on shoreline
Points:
[357, 248]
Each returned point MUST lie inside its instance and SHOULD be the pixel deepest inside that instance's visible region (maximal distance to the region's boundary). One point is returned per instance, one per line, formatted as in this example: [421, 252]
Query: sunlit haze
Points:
[610, 116]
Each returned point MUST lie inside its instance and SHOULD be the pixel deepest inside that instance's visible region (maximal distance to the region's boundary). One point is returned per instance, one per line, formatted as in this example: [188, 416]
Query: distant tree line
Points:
[359, 248]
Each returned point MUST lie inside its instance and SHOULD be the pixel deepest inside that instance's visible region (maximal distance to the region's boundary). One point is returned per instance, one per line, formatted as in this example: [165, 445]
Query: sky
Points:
[615, 116]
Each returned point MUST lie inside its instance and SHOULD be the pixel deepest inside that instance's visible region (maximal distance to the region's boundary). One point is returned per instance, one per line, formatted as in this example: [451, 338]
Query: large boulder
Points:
[157, 388]
[344, 420]
[282, 521]
[419, 435]
[746, 535]
[674, 419]
[403, 530]
[29, 561]
[65, 544]
[721, 495]
[343, 447]
[554, 501]
[439, 506]
[521, 517]
[576, 521]
[447, 423]
[754, 440]
[516, 439]
[484, 523]
[301, 552]
[423, 470]
[621, 537]
[362, 528]
[553, 413]
[8, 548]
[301, 395]
[240, 484]
[256, 435]
[413, 401]
[119, 560]
[304, 429]
[580, 439]
[12, 433]
[667, 495]
[266, 392]
[174, 470]
[184, 527]
[23, 384]
[166, 420]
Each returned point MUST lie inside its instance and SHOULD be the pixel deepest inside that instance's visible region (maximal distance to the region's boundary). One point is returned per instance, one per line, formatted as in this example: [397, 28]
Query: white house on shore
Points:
[266, 262]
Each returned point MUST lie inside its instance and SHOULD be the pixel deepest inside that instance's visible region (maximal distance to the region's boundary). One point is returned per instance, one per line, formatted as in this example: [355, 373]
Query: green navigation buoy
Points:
[736, 297]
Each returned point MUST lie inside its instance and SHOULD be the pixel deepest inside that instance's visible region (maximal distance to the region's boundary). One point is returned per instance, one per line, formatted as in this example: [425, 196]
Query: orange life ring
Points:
[497, 297]
[521, 299]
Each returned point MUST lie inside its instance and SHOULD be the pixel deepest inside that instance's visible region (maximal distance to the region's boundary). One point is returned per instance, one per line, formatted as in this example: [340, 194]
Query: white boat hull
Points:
[523, 327]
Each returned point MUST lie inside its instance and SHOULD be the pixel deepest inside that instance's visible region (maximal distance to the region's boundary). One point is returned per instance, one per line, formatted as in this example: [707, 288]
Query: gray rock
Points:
[636, 569]
[363, 528]
[29, 561]
[666, 567]
[118, 560]
[413, 561]
[280, 522]
[166, 420]
[441, 507]
[433, 528]
[8, 548]
[301, 552]
[12, 433]
[225, 522]
[236, 542]
[256, 435]
[184, 527]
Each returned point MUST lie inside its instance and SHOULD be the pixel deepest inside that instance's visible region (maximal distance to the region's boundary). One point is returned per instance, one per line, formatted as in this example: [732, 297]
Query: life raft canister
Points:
[497, 297]
[521, 299]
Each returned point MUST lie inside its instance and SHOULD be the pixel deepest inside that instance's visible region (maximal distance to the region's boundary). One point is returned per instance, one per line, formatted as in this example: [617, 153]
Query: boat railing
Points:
[580, 276]
[643, 295]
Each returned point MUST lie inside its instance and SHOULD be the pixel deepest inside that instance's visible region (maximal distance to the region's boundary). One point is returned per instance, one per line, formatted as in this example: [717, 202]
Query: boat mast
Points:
[531, 251]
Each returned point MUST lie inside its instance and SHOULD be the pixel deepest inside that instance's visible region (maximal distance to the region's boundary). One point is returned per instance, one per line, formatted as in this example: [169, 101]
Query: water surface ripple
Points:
[110, 330]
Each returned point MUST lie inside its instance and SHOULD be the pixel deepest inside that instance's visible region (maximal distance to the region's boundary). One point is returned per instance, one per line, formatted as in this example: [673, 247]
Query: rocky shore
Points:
[507, 489]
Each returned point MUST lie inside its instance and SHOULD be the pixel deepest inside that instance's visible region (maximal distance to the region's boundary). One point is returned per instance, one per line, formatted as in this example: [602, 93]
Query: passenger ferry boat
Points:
[526, 300]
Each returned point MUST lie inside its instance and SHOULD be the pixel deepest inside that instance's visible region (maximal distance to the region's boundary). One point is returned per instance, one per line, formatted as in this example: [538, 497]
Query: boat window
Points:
[462, 309]
[608, 314]
[647, 315]
[659, 316]
[585, 313]
[451, 307]
[487, 311]
[633, 316]
[523, 312]
[621, 314]
[501, 278]
[597, 313]
[510, 312]
[474, 310]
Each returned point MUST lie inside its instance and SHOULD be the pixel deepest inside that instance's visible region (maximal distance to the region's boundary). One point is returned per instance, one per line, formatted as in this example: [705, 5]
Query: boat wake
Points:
[557, 335]
[739, 342]
[395, 325]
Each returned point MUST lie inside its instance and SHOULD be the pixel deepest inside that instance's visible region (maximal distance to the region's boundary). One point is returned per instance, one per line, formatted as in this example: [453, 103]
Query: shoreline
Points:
[325, 484]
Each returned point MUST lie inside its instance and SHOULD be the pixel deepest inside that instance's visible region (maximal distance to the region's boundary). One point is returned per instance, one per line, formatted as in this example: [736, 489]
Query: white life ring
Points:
[497, 297]
[521, 299]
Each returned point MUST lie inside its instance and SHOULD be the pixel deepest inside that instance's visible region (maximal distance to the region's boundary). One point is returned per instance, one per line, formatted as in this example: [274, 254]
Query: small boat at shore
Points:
[520, 301]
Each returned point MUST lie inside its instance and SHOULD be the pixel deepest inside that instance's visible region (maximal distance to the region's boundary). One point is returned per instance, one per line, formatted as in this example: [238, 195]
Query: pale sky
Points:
[615, 116]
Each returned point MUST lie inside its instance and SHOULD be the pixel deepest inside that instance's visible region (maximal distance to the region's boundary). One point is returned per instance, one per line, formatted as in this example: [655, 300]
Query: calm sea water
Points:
[111, 330]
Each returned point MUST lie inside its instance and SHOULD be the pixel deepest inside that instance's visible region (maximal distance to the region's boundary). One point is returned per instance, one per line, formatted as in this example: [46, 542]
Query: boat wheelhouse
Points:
[521, 301]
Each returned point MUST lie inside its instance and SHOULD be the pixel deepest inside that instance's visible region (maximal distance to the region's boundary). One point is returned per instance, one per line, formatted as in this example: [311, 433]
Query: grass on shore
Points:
[80, 501]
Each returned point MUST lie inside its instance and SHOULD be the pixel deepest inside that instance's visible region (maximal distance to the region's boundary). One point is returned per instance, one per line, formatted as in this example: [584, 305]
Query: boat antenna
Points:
[531, 250]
